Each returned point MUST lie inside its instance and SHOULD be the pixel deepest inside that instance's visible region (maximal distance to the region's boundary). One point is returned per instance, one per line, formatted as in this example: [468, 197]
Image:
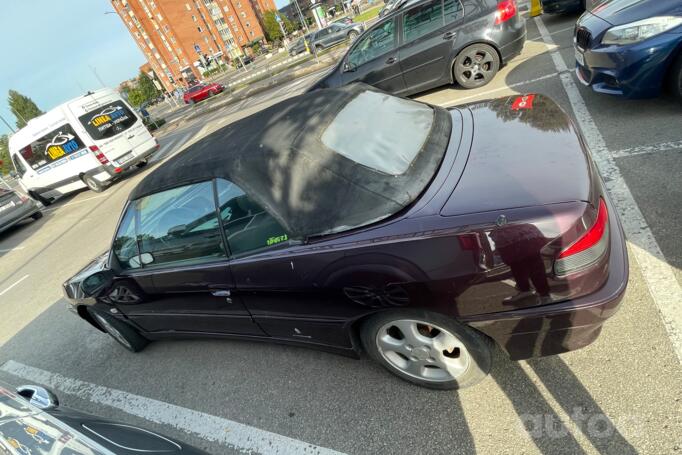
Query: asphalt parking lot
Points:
[622, 394]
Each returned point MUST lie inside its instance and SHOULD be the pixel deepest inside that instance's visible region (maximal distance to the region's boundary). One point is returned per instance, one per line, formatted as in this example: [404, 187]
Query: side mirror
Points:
[39, 397]
[92, 283]
[141, 259]
[13, 174]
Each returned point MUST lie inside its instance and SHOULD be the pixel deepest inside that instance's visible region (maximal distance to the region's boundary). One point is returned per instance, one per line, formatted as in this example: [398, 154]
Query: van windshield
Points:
[108, 120]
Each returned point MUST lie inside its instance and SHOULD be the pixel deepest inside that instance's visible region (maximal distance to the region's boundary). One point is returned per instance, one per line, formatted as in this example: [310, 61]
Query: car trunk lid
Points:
[525, 152]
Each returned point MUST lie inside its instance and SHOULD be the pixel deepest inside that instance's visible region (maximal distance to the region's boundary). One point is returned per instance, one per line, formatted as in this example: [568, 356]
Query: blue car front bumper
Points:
[633, 71]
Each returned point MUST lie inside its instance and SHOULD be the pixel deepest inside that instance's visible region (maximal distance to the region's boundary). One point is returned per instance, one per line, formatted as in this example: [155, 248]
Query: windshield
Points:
[196, 88]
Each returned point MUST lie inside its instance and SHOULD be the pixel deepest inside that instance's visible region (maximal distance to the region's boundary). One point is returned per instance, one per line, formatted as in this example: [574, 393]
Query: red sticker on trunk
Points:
[523, 102]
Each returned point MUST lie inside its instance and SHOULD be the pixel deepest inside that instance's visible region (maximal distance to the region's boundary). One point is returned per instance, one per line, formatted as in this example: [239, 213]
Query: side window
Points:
[247, 226]
[179, 226]
[125, 243]
[452, 11]
[53, 149]
[18, 165]
[422, 20]
[375, 43]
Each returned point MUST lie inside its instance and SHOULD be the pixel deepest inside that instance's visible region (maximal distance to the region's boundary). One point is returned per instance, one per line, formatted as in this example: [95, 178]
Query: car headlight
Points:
[635, 32]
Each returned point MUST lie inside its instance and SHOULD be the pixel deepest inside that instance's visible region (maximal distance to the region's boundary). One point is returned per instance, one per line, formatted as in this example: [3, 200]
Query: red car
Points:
[201, 92]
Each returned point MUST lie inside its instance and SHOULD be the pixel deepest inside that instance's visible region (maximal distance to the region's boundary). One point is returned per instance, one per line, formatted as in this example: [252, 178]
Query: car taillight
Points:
[100, 156]
[506, 9]
[588, 249]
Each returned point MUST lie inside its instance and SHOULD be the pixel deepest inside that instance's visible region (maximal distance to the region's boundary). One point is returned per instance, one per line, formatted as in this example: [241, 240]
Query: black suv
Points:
[431, 43]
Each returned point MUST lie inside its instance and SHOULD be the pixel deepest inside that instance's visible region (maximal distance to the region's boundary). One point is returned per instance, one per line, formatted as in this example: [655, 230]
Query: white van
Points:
[85, 142]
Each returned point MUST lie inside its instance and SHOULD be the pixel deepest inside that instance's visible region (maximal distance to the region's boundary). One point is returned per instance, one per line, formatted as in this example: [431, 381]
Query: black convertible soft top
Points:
[279, 159]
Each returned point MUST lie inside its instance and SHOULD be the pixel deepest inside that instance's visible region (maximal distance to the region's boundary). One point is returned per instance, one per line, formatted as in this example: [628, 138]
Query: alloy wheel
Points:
[423, 350]
[476, 67]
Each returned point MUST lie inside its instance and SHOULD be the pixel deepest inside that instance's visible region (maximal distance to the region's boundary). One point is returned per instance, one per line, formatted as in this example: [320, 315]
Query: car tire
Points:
[92, 183]
[675, 78]
[37, 215]
[318, 47]
[352, 36]
[123, 333]
[142, 163]
[476, 65]
[192, 101]
[419, 357]
[39, 198]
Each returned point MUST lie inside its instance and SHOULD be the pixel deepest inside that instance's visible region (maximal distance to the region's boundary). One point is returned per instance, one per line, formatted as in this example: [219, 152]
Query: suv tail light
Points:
[588, 249]
[506, 9]
[100, 156]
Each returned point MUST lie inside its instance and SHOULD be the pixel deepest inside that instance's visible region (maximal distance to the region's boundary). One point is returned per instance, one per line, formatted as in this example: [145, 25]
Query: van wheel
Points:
[476, 65]
[123, 333]
[142, 163]
[39, 198]
[92, 183]
[37, 215]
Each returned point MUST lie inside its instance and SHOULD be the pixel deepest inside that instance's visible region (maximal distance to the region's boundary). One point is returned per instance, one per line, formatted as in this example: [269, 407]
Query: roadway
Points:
[620, 395]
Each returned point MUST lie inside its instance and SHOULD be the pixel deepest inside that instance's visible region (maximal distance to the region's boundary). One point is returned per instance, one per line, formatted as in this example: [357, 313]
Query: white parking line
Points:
[500, 89]
[659, 276]
[643, 149]
[14, 284]
[234, 435]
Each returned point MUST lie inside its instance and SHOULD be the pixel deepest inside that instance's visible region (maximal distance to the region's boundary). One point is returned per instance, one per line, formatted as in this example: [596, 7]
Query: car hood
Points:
[525, 152]
[619, 12]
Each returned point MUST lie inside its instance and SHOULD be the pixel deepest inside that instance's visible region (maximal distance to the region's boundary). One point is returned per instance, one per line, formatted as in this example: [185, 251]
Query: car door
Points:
[175, 271]
[428, 34]
[374, 59]
[279, 279]
[337, 34]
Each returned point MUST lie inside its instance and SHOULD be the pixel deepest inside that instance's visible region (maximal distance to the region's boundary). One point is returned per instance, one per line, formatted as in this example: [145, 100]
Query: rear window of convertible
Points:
[379, 131]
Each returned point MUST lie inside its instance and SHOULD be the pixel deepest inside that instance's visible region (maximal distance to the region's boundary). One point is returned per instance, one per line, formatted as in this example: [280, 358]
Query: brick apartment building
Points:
[177, 35]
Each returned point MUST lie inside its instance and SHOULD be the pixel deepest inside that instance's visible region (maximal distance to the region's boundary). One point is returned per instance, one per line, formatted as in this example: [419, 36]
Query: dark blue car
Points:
[631, 48]
[562, 6]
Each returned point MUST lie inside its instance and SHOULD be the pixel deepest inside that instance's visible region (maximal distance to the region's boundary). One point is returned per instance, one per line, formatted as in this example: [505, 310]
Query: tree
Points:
[271, 27]
[146, 87]
[5, 164]
[23, 108]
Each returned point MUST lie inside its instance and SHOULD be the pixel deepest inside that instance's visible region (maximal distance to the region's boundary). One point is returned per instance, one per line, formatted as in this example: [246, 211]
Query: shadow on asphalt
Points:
[265, 385]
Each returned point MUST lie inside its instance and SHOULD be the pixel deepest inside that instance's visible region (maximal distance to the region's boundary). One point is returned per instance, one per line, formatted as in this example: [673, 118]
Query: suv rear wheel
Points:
[428, 349]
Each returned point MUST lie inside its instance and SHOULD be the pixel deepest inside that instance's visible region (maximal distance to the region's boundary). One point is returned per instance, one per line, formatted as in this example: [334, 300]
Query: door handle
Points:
[449, 35]
[390, 60]
[221, 293]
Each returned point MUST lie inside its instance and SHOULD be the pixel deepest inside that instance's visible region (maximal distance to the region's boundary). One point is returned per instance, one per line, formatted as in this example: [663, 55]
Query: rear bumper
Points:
[565, 326]
[514, 40]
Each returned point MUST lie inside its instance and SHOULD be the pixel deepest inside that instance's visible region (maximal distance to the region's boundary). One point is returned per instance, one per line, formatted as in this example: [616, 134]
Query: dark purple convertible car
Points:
[349, 219]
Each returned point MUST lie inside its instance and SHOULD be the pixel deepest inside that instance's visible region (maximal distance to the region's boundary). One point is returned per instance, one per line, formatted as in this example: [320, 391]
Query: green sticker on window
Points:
[278, 239]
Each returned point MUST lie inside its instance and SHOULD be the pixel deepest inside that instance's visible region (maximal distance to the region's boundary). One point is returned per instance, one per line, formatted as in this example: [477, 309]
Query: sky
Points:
[49, 47]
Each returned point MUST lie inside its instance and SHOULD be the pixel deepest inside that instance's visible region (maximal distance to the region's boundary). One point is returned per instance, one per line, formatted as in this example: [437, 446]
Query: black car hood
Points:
[619, 12]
